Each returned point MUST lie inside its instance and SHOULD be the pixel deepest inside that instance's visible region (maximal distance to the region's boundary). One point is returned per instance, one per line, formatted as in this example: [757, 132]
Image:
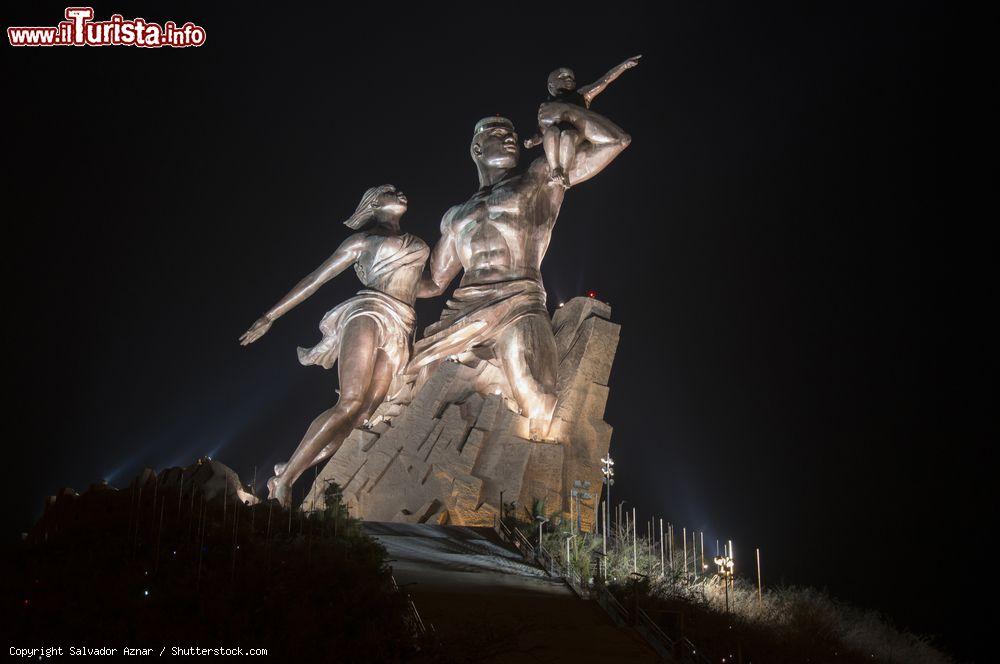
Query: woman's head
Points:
[381, 203]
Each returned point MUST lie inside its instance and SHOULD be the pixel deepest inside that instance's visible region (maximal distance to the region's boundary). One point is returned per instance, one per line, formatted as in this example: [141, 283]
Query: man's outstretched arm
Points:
[444, 263]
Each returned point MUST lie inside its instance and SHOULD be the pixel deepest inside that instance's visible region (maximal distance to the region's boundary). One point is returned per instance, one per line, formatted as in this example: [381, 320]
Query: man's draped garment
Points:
[475, 316]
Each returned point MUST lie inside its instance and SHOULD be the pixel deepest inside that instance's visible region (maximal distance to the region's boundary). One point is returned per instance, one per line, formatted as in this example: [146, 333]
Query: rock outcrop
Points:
[458, 444]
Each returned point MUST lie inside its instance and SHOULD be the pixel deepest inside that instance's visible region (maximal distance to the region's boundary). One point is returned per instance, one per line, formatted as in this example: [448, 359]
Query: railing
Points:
[656, 637]
[528, 551]
[672, 650]
[680, 651]
[415, 620]
[540, 556]
[507, 533]
[576, 583]
[690, 653]
[611, 606]
[664, 646]
[523, 543]
[546, 560]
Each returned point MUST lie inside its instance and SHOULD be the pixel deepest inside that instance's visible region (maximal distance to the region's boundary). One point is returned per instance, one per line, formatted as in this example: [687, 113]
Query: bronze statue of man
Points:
[499, 238]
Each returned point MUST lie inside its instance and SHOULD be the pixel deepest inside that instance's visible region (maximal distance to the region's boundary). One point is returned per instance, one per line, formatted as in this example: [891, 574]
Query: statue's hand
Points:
[256, 331]
[631, 62]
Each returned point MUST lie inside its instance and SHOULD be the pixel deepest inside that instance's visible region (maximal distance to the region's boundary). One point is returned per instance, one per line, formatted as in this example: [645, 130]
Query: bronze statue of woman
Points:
[368, 336]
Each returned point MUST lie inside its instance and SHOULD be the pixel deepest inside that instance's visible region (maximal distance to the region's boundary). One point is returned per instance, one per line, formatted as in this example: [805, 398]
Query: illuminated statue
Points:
[499, 238]
[368, 336]
[561, 138]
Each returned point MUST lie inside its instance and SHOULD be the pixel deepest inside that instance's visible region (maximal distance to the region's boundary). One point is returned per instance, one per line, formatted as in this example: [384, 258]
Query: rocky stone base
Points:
[448, 452]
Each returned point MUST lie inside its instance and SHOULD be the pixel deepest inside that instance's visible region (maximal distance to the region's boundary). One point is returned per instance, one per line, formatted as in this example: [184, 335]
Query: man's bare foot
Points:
[279, 491]
[538, 429]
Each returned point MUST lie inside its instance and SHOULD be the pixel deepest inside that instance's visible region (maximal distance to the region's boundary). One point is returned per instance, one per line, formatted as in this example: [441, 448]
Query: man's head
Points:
[494, 144]
[562, 80]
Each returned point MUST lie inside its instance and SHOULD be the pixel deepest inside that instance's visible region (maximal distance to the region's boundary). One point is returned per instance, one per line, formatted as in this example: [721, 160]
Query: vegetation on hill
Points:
[149, 566]
[166, 562]
[734, 623]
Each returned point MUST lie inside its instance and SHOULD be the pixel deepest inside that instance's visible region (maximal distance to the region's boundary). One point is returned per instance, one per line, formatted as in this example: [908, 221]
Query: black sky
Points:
[765, 244]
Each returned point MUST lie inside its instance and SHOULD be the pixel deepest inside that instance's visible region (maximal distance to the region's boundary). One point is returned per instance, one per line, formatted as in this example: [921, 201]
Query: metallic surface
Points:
[368, 335]
[498, 239]
[561, 139]
[562, 81]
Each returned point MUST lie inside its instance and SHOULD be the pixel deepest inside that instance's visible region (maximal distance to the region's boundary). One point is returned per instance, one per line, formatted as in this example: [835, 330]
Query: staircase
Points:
[485, 602]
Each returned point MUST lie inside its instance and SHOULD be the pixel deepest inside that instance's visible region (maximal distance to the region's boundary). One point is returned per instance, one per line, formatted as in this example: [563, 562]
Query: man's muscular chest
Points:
[501, 210]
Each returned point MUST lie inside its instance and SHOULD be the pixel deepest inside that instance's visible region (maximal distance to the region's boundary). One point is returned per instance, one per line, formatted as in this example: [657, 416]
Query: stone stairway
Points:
[486, 604]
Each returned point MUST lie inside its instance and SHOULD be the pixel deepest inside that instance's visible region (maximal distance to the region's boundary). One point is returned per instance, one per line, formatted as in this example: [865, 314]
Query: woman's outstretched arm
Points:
[342, 258]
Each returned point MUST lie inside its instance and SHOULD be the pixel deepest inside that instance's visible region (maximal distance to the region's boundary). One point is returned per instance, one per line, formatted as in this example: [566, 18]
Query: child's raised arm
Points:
[588, 92]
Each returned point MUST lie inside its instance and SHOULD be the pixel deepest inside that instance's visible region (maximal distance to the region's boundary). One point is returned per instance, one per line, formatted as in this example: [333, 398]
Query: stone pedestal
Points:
[446, 455]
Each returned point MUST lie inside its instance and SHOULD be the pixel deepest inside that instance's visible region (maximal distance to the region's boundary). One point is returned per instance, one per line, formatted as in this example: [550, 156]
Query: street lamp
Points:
[541, 520]
[725, 564]
[608, 470]
[569, 568]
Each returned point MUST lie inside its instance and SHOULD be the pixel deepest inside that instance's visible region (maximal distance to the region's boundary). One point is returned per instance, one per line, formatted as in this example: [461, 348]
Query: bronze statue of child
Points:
[561, 138]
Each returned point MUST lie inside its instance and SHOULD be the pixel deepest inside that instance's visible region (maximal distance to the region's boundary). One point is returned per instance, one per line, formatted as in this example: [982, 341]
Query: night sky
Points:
[765, 243]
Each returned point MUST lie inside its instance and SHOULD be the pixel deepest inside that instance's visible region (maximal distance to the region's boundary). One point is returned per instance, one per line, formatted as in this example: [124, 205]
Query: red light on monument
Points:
[592, 293]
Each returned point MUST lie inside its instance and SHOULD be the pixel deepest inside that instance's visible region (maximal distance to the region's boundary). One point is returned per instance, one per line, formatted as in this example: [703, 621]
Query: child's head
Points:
[562, 80]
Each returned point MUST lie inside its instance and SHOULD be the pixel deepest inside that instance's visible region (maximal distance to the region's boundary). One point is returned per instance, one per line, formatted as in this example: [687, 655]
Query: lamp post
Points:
[608, 470]
[635, 550]
[541, 520]
[694, 556]
[725, 564]
[604, 551]
[621, 511]
[662, 568]
[569, 568]
[684, 534]
[760, 597]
